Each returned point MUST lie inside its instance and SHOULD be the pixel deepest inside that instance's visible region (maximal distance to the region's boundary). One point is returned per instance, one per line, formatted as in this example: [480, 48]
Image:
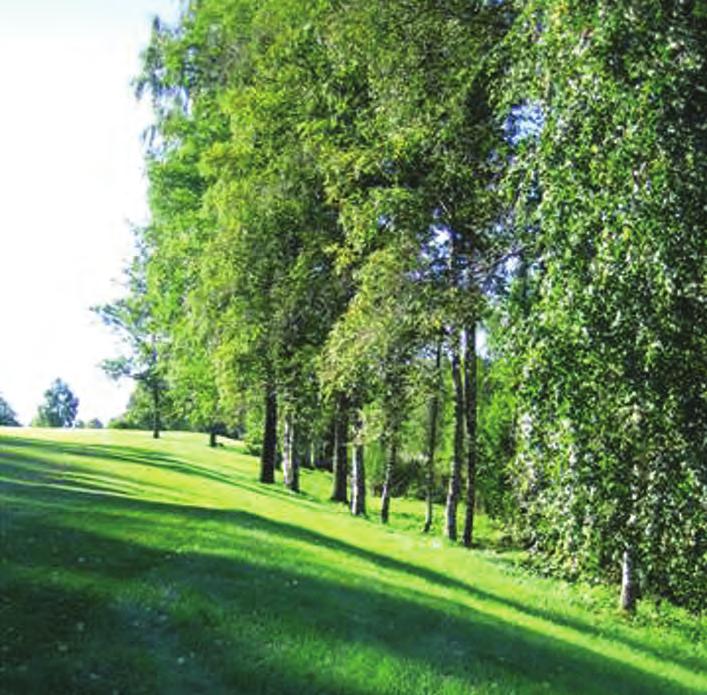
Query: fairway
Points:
[129, 565]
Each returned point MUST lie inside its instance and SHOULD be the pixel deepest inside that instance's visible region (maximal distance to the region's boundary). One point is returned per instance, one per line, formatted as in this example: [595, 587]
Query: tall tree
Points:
[609, 201]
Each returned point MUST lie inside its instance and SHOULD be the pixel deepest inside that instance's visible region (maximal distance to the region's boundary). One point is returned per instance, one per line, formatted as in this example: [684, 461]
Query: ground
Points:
[129, 565]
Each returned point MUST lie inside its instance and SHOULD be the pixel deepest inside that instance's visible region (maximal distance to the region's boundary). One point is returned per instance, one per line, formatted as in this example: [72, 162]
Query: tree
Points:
[132, 318]
[59, 408]
[606, 321]
[8, 417]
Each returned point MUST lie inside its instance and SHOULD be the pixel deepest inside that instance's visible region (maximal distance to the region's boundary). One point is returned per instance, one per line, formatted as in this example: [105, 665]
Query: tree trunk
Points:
[329, 447]
[212, 437]
[358, 482]
[156, 422]
[629, 586]
[629, 581]
[268, 453]
[432, 440]
[388, 480]
[358, 471]
[429, 509]
[290, 463]
[459, 425]
[470, 393]
[339, 492]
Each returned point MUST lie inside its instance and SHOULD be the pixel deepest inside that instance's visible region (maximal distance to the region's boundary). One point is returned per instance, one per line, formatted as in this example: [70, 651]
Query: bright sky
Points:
[71, 177]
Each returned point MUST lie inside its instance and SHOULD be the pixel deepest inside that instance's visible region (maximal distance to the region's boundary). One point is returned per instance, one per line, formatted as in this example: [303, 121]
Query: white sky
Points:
[71, 176]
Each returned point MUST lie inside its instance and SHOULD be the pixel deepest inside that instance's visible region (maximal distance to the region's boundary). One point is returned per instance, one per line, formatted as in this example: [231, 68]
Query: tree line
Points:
[59, 408]
[446, 247]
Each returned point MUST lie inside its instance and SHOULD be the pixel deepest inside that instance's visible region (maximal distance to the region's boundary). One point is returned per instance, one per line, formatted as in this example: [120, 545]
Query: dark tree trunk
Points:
[212, 438]
[358, 482]
[429, 507]
[290, 463]
[390, 466]
[339, 491]
[432, 440]
[470, 393]
[358, 470]
[268, 453]
[329, 447]
[629, 586]
[156, 421]
[459, 426]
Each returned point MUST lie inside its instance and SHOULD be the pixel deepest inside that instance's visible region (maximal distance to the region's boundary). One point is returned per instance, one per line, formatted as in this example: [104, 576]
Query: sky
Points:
[71, 182]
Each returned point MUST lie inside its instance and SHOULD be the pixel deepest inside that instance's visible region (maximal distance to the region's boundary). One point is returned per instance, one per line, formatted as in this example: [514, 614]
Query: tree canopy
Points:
[59, 408]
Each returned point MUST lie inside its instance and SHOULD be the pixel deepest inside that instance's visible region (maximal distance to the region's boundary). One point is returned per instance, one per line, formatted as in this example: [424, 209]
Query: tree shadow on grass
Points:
[256, 627]
[244, 626]
[67, 639]
[298, 533]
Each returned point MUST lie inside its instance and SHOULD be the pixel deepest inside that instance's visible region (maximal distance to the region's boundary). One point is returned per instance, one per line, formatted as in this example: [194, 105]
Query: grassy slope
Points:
[132, 566]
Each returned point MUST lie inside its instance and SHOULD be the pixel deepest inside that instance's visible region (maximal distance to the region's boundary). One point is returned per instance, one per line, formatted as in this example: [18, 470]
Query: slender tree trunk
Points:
[432, 440]
[287, 451]
[629, 586]
[212, 437]
[329, 447]
[471, 453]
[629, 581]
[339, 491]
[269, 449]
[390, 466]
[358, 482]
[459, 425]
[290, 462]
[156, 422]
[358, 470]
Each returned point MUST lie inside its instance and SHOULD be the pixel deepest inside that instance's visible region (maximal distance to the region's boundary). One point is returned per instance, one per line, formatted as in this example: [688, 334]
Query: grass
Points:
[134, 566]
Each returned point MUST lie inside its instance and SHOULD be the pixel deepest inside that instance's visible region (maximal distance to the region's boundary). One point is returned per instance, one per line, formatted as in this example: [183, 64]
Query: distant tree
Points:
[8, 417]
[94, 424]
[59, 407]
[139, 412]
[132, 318]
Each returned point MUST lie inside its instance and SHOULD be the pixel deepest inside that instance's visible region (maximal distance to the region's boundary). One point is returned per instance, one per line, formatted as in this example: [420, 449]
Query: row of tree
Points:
[347, 197]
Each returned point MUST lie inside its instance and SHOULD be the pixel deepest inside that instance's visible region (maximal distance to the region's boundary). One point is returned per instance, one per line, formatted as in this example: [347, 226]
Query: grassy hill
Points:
[134, 566]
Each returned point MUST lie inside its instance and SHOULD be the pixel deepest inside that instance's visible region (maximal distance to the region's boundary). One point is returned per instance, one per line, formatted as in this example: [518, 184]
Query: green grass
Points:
[134, 566]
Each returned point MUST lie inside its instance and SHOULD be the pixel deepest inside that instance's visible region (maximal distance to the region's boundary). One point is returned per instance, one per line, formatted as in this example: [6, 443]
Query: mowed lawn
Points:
[134, 566]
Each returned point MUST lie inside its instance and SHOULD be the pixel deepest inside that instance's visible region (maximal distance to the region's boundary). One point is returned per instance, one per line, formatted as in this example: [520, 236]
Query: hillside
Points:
[135, 566]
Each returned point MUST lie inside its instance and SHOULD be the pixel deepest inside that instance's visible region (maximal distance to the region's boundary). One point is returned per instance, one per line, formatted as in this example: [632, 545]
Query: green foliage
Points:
[59, 408]
[604, 327]
[497, 437]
